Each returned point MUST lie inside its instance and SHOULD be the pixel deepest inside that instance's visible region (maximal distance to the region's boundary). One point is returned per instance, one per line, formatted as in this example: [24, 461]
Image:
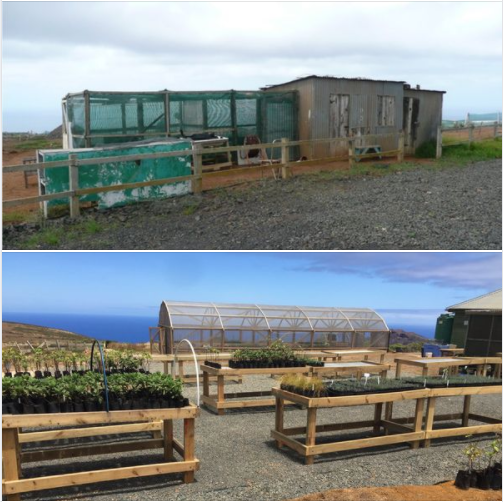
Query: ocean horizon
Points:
[133, 329]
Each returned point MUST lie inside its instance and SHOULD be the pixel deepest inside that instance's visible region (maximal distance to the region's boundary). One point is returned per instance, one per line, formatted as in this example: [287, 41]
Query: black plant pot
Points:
[126, 404]
[463, 479]
[66, 407]
[38, 374]
[57, 374]
[28, 408]
[484, 479]
[496, 477]
[47, 374]
[19, 374]
[53, 407]
[90, 405]
[8, 374]
[164, 403]
[66, 373]
[114, 404]
[78, 407]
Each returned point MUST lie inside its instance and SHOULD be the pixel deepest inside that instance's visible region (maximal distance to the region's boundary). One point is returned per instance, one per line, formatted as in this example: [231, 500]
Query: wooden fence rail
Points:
[196, 178]
[470, 129]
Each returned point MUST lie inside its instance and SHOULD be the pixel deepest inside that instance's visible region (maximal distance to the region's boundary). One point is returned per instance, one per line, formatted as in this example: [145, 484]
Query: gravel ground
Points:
[239, 460]
[446, 208]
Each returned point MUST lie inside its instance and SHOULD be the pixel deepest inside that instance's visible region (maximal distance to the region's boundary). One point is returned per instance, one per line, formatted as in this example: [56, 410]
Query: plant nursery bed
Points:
[441, 491]
[220, 402]
[456, 381]
[395, 431]
[95, 424]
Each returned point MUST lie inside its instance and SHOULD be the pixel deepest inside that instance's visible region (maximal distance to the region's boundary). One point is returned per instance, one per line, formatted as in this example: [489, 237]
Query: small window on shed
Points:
[386, 110]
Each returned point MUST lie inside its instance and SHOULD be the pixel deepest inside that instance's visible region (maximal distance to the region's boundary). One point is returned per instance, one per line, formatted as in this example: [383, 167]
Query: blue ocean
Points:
[132, 329]
[129, 329]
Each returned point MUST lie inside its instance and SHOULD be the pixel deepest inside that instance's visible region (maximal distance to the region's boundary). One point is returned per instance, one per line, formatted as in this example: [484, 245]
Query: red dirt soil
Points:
[442, 491]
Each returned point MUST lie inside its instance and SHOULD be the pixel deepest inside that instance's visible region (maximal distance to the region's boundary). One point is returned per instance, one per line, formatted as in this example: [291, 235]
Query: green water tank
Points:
[443, 329]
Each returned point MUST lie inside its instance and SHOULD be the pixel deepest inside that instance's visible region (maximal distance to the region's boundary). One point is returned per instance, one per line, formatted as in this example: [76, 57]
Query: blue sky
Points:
[148, 46]
[401, 285]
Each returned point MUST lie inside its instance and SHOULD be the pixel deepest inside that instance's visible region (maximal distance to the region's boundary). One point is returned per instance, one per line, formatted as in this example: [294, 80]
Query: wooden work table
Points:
[427, 363]
[95, 424]
[221, 401]
[413, 430]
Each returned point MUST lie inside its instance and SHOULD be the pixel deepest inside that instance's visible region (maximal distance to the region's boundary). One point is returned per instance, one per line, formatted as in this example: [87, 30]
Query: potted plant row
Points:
[81, 393]
[454, 381]
[484, 478]
[276, 355]
[211, 353]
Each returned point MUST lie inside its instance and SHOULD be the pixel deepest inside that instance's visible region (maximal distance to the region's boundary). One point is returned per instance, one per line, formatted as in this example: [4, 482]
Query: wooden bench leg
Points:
[280, 416]
[418, 421]
[377, 417]
[466, 411]
[388, 413]
[188, 446]
[311, 433]
[168, 440]
[11, 458]
[430, 416]
[220, 392]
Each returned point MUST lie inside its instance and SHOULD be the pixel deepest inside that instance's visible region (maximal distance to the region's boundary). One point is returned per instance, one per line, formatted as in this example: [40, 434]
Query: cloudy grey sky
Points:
[52, 48]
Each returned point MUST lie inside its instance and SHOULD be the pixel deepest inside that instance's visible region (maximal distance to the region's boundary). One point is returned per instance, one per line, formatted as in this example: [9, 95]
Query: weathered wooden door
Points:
[410, 123]
[339, 115]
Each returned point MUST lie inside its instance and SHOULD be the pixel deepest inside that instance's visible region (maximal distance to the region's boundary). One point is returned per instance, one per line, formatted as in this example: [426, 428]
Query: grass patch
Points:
[46, 237]
[15, 217]
[37, 144]
[482, 150]
[191, 209]
[92, 227]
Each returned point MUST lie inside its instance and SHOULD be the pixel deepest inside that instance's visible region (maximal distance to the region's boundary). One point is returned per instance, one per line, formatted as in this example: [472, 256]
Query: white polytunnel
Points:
[231, 326]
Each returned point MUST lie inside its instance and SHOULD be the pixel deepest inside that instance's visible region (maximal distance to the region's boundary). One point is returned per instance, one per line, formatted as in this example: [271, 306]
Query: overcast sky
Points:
[52, 48]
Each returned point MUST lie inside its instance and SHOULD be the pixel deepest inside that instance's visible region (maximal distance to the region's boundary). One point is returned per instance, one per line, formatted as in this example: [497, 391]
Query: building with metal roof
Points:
[477, 324]
[340, 108]
[229, 326]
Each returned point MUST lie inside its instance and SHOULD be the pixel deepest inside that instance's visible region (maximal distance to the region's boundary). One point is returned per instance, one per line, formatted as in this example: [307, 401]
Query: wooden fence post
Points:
[285, 168]
[73, 172]
[470, 134]
[197, 182]
[495, 132]
[401, 146]
[351, 154]
[439, 142]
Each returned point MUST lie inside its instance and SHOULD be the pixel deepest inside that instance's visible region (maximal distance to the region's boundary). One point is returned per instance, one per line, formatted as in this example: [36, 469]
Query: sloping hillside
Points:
[13, 332]
[406, 337]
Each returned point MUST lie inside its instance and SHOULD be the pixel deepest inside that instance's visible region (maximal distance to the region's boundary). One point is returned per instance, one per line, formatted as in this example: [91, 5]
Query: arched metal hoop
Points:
[104, 371]
[173, 366]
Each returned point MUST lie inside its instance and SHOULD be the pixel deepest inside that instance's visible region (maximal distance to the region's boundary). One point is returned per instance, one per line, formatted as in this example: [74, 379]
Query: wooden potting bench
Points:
[358, 368]
[338, 355]
[427, 363]
[169, 360]
[491, 424]
[401, 433]
[220, 402]
[95, 424]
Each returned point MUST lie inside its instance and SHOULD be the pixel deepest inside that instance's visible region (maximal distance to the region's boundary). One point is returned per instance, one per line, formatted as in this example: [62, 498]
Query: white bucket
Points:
[428, 354]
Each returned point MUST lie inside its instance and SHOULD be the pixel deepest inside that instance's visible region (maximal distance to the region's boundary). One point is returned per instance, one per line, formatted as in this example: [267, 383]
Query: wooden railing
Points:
[197, 176]
[470, 136]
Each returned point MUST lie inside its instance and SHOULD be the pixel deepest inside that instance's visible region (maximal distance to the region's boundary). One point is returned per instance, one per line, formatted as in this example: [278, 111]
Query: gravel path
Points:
[239, 460]
[445, 208]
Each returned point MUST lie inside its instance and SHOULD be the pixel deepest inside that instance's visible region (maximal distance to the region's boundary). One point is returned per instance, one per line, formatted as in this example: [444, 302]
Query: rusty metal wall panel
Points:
[430, 114]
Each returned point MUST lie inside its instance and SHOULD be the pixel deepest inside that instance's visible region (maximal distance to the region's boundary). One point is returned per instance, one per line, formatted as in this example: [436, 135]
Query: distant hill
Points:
[13, 332]
[406, 337]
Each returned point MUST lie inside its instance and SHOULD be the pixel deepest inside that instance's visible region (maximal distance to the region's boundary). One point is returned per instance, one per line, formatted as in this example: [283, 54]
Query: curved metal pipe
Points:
[173, 366]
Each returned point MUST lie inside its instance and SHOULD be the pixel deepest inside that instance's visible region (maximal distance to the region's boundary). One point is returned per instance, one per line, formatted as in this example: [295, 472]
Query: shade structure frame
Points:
[227, 326]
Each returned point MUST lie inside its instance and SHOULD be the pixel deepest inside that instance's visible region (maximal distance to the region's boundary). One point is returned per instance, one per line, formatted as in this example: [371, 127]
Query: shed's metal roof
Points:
[252, 317]
[488, 302]
[328, 77]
